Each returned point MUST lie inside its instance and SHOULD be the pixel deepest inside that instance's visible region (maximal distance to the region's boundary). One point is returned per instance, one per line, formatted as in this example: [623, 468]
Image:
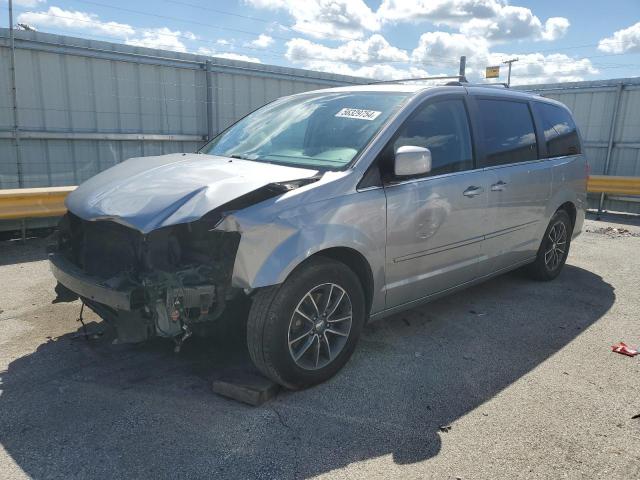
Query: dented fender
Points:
[269, 251]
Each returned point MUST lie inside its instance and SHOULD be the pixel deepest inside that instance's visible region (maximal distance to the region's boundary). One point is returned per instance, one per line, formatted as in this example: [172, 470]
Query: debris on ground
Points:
[624, 349]
[614, 232]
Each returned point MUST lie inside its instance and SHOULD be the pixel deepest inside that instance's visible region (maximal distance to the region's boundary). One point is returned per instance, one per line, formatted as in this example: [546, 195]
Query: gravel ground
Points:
[509, 379]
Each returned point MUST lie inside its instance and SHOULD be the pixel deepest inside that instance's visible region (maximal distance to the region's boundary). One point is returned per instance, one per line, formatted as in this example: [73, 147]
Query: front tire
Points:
[554, 248]
[302, 332]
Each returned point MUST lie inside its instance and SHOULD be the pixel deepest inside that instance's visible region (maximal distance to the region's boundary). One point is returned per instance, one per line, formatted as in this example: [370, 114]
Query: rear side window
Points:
[560, 132]
[509, 135]
[443, 128]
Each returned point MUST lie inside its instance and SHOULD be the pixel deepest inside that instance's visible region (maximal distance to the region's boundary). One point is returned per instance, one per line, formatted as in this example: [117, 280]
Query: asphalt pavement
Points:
[509, 379]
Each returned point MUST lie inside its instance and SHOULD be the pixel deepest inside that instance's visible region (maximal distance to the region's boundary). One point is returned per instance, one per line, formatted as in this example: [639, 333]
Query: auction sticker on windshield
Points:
[358, 113]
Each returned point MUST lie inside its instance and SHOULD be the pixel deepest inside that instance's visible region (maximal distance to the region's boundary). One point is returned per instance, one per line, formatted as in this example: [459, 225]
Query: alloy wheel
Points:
[556, 247]
[320, 326]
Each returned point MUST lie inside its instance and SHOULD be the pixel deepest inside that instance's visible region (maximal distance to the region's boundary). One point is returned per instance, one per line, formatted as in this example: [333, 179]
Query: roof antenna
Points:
[463, 66]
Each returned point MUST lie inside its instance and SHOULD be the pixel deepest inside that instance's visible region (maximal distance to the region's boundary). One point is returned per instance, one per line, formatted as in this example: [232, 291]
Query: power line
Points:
[177, 19]
[288, 27]
[202, 40]
[272, 53]
[446, 62]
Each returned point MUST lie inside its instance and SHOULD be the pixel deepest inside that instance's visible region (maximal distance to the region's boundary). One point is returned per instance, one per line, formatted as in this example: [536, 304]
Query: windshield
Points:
[324, 131]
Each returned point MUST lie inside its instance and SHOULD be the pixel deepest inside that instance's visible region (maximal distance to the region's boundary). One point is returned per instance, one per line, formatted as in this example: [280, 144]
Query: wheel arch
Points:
[358, 265]
[571, 210]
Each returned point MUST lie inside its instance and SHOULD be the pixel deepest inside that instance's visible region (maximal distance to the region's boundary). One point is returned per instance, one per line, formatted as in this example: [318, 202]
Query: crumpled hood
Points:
[151, 192]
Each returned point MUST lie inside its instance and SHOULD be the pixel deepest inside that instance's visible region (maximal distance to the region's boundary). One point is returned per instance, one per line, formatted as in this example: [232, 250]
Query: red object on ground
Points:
[624, 349]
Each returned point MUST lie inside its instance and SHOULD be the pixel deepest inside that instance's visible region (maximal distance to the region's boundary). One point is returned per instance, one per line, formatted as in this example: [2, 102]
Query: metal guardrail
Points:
[22, 203]
[613, 185]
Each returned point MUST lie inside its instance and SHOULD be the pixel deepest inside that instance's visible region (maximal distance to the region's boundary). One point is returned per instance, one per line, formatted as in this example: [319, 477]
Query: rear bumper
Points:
[87, 286]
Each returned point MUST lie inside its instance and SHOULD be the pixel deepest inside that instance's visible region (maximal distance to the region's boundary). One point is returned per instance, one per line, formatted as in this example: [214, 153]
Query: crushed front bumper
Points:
[87, 286]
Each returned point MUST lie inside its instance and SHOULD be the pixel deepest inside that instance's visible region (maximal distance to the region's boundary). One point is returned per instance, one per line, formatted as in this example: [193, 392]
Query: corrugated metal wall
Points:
[593, 105]
[85, 105]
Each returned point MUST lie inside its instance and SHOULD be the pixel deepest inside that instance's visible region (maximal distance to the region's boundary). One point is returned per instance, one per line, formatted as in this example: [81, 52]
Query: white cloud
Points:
[237, 56]
[228, 55]
[223, 42]
[361, 58]
[378, 72]
[75, 20]
[494, 20]
[89, 23]
[437, 53]
[512, 23]
[263, 41]
[626, 40]
[555, 28]
[161, 38]
[374, 49]
[445, 12]
[326, 18]
[442, 49]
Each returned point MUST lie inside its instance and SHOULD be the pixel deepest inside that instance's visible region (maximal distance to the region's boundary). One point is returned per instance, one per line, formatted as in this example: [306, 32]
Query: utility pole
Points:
[463, 66]
[14, 95]
[509, 62]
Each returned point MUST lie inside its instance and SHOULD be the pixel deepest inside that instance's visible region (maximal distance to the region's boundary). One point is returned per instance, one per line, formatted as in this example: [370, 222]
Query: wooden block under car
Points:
[246, 387]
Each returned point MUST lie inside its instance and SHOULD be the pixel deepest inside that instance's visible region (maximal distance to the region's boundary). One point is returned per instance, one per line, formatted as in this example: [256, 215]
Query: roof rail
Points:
[496, 84]
[459, 81]
[459, 78]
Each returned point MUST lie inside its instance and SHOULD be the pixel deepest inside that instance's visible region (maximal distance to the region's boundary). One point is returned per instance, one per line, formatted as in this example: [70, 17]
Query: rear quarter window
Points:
[560, 132]
[509, 134]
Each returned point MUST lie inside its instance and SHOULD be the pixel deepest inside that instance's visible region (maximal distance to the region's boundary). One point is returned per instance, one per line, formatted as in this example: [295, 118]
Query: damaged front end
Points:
[164, 283]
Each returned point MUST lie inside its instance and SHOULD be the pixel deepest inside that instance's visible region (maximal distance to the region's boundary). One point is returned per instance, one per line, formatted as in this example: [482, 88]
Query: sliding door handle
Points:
[498, 187]
[472, 191]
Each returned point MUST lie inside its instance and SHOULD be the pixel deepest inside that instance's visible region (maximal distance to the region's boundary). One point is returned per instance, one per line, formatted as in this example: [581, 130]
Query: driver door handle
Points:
[472, 191]
[498, 187]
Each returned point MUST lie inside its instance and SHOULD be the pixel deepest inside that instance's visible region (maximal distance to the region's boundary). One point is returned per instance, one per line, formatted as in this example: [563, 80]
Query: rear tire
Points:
[554, 248]
[302, 332]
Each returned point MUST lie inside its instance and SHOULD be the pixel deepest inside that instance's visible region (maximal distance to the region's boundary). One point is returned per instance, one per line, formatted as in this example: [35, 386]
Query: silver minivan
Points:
[326, 210]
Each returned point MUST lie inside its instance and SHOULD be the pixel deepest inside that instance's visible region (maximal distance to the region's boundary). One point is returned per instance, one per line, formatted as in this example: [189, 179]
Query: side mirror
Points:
[410, 160]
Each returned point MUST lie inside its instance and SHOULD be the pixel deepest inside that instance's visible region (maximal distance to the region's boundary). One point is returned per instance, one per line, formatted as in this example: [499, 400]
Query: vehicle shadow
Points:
[16, 251]
[615, 217]
[76, 408]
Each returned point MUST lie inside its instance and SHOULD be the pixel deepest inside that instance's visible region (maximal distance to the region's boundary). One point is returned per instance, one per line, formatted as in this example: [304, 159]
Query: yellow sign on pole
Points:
[492, 72]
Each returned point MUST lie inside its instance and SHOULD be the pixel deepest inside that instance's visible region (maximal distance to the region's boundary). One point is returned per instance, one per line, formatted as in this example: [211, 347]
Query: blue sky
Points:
[565, 40]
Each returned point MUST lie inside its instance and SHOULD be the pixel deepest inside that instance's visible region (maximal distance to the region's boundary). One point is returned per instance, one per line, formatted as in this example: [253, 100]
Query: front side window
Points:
[560, 132]
[320, 131]
[443, 128]
[509, 135]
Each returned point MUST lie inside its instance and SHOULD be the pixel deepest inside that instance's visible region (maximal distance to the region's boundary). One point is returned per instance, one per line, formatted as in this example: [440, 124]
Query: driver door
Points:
[435, 222]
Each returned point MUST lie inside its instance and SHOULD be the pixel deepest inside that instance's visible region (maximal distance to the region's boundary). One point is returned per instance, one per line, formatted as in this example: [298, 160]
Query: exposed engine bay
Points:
[168, 280]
